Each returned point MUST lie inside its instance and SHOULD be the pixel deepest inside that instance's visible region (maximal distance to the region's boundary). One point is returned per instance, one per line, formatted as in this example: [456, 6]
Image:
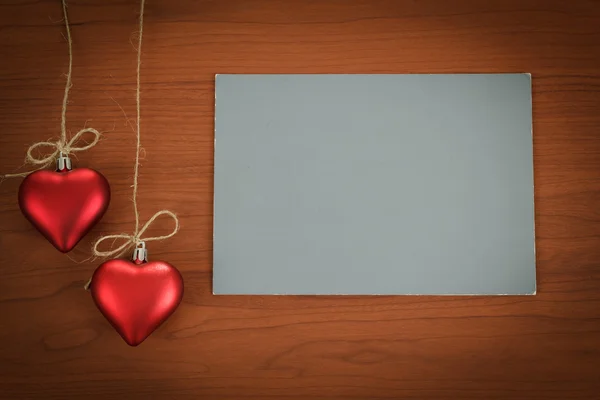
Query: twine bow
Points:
[135, 239]
[61, 147]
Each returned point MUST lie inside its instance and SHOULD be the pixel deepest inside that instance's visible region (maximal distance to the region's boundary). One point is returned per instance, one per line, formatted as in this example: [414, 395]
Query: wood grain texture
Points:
[54, 344]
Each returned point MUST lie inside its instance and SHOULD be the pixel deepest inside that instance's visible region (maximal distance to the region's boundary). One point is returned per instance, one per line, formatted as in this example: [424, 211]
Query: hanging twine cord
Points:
[62, 146]
[136, 238]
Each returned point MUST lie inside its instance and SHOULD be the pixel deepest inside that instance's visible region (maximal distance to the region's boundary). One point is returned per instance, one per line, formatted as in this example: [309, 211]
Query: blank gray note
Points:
[374, 184]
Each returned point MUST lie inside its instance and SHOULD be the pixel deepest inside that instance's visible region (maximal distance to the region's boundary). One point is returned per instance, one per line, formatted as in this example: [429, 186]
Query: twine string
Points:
[62, 146]
[135, 239]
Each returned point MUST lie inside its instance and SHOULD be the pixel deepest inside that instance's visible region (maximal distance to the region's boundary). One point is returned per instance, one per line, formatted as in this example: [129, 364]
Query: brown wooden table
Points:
[54, 344]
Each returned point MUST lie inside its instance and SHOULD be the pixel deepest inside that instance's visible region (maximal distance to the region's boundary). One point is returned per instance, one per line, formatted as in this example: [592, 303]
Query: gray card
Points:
[374, 184]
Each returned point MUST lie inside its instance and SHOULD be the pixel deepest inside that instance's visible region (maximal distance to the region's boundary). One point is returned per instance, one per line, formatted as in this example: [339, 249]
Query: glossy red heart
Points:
[136, 299]
[64, 206]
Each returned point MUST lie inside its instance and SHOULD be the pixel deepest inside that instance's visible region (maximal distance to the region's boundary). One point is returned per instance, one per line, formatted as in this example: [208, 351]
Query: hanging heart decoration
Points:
[64, 205]
[136, 298]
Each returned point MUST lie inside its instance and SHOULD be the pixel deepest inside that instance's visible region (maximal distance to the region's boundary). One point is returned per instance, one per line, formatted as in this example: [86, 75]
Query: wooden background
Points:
[54, 344]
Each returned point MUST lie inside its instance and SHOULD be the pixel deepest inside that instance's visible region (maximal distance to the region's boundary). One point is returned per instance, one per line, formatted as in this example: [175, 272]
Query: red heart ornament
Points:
[64, 206]
[136, 299]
